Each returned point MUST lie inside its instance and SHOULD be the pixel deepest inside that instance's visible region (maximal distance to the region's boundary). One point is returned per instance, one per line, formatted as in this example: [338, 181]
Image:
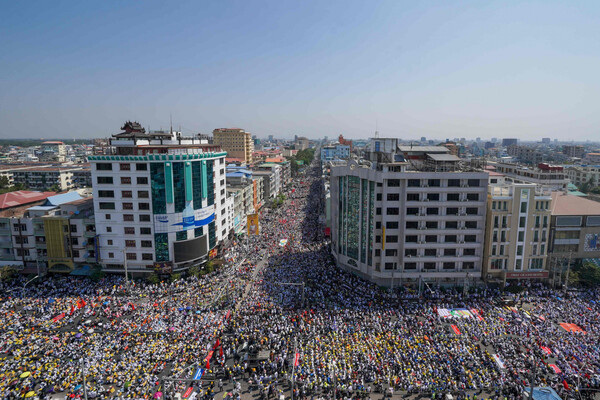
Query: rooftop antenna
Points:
[171, 116]
[376, 131]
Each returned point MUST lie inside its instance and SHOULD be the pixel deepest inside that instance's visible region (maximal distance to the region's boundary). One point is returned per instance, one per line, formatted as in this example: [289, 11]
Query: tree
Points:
[588, 274]
[54, 188]
[153, 278]
[4, 182]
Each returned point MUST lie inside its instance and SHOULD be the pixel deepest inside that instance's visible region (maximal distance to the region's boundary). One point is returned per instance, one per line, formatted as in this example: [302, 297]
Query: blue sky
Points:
[436, 69]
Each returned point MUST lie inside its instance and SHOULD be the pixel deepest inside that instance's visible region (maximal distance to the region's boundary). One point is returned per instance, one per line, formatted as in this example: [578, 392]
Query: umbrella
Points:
[25, 374]
[198, 312]
[31, 393]
[79, 335]
[180, 309]
[157, 395]
[188, 308]
[90, 331]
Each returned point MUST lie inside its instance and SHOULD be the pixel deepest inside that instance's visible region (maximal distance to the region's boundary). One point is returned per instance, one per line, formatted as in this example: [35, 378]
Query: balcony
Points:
[89, 234]
[89, 221]
[6, 244]
[5, 231]
[40, 245]
[39, 232]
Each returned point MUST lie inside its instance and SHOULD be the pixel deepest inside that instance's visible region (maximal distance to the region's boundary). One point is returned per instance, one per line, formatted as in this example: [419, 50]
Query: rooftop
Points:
[567, 204]
[426, 149]
[443, 157]
[21, 197]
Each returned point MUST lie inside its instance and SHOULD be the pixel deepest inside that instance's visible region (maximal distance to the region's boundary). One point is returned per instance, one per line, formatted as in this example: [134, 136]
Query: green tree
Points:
[175, 277]
[54, 188]
[153, 278]
[588, 274]
[4, 182]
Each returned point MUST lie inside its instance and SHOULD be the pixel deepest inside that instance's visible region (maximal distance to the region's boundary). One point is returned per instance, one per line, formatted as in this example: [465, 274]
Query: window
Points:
[76, 253]
[127, 206]
[104, 180]
[453, 182]
[103, 167]
[452, 211]
[129, 230]
[433, 196]
[108, 229]
[522, 221]
[566, 248]
[377, 239]
[412, 197]
[431, 238]
[470, 238]
[518, 264]
[450, 239]
[379, 196]
[144, 206]
[521, 236]
[22, 240]
[391, 238]
[468, 265]
[391, 252]
[451, 224]
[473, 196]
[473, 182]
[471, 224]
[127, 194]
[393, 196]
[472, 211]
[392, 224]
[390, 265]
[146, 256]
[523, 207]
[410, 265]
[452, 197]
[566, 235]
[130, 243]
[430, 252]
[429, 265]
[143, 194]
[433, 182]
[146, 243]
[142, 180]
[141, 167]
[412, 239]
[131, 256]
[414, 183]
[125, 167]
[106, 193]
[106, 216]
[377, 252]
[393, 182]
[378, 211]
[145, 231]
[111, 255]
[409, 252]
[494, 250]
[144, 218]
[73, 228]
[449, 265]
[409, 225]
[392, 211]
[519, 250]
[450, 252]
[378, 225]
[125, 180]
[412, 211]
[468, 252]
[128, 217]
[433, 211]
[22, 252]
[106, 206]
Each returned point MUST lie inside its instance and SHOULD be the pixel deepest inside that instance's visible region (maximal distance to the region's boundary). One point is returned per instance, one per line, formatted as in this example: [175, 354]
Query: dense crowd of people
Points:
[278, 315]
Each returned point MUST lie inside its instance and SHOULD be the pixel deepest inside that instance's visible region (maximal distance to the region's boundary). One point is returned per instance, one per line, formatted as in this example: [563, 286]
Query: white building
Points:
[160, 201]
[584, 175]
[393, 224]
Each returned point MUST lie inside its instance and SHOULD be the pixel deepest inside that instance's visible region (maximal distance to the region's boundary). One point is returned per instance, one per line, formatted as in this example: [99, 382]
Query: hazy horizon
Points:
[437, 69]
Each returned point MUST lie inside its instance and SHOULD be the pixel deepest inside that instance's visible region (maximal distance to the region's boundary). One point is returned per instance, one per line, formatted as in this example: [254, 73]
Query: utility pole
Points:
[85, 395]
[293, 368]
[125, 265]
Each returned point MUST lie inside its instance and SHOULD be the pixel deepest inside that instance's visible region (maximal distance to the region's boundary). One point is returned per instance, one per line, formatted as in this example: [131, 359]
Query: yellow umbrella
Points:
[25, 374]
[30, 394]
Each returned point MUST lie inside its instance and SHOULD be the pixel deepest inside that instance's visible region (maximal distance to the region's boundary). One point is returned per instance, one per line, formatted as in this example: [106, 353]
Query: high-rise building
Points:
[517, 232]
[573, 151]
[508, 142]
[159, 201]
[236, 142]
[408, 222]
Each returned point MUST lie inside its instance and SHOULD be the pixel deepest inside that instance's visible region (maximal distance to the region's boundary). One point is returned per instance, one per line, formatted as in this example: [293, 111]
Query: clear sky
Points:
[313, 68]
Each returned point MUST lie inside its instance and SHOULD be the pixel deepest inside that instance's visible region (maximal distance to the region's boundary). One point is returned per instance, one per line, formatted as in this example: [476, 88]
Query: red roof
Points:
[20, 197]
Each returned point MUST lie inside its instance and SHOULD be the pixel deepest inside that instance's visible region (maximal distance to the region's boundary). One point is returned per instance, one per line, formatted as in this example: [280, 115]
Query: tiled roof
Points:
[20, 197]
[567, 204]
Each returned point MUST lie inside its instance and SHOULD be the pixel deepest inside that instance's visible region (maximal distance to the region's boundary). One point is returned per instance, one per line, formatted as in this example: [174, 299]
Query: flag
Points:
[297, 360]
[221, 351]
[72, 310]
[566, 385]
[207, 364]
[217, 343]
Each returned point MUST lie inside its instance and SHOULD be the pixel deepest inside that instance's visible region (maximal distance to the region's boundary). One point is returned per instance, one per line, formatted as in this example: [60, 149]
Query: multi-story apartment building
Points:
[517, 232]
[575, 227]
[335, 152]
[301, 143]
[392, 223]
[552, 176]
[159, 201]
[236, 142]
[508, 142]
[575, 151]
[45, 177]
[593, 158]
[584, 175]
[275, 177]
[526, 154]
[53, 151]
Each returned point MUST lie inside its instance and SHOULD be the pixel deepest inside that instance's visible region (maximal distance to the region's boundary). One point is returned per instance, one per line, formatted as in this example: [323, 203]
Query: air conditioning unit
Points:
[462, 242]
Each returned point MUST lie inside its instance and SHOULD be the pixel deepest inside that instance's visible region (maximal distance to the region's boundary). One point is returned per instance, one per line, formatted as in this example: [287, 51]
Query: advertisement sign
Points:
[163, 268]
[183, 221]
[526, 275]
[252, 221]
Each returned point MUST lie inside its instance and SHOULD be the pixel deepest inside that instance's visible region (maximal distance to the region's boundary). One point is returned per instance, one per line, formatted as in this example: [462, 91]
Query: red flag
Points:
[297, 360]
[566, 385]
[217, 343]
[72, 310]
[207, 364]
[58, 317]
[221, 351]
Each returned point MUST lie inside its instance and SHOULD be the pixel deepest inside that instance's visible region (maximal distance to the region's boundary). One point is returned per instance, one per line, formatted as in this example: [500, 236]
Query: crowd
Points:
[280, 299]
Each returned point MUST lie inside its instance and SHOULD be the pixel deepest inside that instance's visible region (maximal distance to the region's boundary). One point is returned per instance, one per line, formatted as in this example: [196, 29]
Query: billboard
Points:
[592, 242]
[192, 249]
[183, 221]
[252, 224]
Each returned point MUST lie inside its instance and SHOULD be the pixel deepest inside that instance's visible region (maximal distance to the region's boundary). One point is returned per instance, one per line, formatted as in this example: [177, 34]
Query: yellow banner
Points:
[383, 238]
[252, 224]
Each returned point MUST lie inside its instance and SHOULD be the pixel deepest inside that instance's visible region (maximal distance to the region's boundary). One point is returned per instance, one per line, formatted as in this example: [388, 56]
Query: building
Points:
[593, 158]
[517, 232]
[573, 151]
[546, 140]
[53, 151]
[345, 142]
[581, 175]
[526, 154]
[159, 201]
[508, 142]
[552, 176]
[395, 224]
[301, 143]
[335, 152]
[274, 178]
[236, 142]
[45, 177]
[575, 227]
[82, 177]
